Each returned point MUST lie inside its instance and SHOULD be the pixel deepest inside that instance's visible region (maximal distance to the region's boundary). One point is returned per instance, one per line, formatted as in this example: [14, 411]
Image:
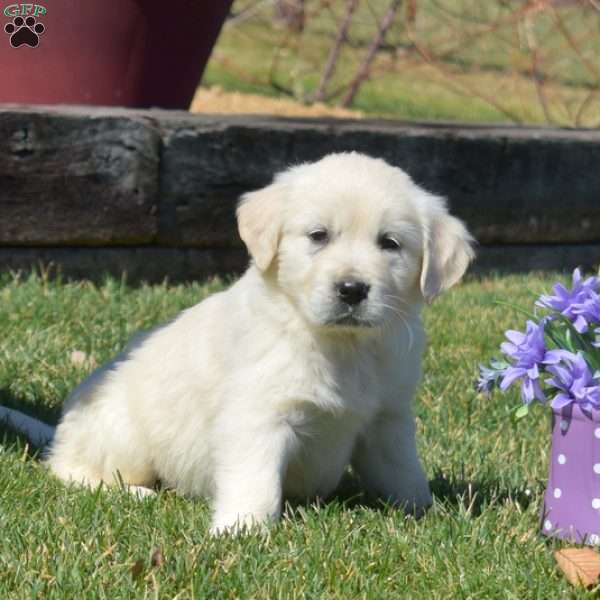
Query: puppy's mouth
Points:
[350, 318]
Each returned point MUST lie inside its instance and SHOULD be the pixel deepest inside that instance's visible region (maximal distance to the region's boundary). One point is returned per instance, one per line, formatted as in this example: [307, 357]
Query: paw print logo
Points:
[24, 32]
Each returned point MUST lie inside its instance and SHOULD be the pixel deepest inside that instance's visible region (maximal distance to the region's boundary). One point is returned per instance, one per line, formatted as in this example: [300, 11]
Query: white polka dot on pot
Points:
[596, 503]
[562, 459]
[597, 432]
[547, 525]
[564, 425]
[557, 492]
[597, 468]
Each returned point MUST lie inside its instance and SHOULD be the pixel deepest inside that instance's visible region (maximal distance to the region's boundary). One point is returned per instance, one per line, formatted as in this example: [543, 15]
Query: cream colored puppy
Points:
[309, 363]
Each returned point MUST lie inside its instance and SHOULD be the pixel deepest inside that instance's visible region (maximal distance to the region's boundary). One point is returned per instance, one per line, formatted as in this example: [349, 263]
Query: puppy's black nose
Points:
[352, 292]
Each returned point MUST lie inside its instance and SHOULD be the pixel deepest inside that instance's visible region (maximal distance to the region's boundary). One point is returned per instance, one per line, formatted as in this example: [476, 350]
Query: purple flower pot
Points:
[572, 499]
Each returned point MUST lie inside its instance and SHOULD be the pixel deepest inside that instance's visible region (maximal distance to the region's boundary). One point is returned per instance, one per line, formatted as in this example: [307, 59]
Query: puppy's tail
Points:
[38, 433]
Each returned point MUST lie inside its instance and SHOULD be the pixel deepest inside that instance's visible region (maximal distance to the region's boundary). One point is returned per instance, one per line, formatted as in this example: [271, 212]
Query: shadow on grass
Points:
[9, 437]
[43, 413]
[455, 493]
[474, 495]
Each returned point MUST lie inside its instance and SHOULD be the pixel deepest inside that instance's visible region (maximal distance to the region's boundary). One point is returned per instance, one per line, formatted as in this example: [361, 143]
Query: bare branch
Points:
[560, 24]
[363, 72]
[340, 40]
[290, 14]
[472, 90]
[528, 59]
[537, 77]
[411, 13]
[587, 101]
[538, 80]
[247, 13]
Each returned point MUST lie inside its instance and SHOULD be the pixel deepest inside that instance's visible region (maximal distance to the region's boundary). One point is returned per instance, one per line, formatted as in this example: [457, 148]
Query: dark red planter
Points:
[137, 53]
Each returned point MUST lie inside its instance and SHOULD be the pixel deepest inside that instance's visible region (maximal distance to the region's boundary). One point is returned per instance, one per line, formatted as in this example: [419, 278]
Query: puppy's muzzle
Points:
[352, 292]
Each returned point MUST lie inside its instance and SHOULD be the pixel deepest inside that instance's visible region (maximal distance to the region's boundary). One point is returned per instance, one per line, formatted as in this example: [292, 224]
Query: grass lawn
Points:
[481, 56]
[480, 539]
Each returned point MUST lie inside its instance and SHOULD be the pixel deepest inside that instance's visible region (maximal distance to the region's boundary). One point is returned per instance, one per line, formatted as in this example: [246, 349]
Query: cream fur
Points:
[271, 388]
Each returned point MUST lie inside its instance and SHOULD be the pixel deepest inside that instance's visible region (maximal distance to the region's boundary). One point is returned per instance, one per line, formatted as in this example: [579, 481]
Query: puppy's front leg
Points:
[249, 478]
[386, 460]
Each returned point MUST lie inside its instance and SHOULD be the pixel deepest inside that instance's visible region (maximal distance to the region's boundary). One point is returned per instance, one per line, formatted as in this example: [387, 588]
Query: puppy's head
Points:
[352, 241]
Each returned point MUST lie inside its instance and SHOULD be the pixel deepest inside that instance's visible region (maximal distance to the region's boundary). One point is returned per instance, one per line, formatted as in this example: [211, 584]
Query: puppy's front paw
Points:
[140, 492]
[238, 524]
[415, 503]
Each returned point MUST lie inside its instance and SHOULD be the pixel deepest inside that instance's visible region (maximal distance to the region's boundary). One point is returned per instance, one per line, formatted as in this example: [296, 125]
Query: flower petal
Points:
[561, 400]
[510, 376]
[562, 373]
[557, 355]
[527, 391]
[508, 348]
[516, 337]
[580, 324]
[533, 372]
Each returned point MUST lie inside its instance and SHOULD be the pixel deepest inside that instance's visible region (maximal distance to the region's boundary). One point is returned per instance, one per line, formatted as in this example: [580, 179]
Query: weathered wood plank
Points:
[510, 185]
[71, 179]
[81, 176]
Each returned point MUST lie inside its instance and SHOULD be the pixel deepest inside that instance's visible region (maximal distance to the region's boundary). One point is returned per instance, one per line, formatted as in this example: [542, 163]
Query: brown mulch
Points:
[216, 100]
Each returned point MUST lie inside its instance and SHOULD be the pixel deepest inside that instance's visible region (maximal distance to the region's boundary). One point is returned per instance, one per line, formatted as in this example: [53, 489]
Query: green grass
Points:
[480, 539]
[481, 51]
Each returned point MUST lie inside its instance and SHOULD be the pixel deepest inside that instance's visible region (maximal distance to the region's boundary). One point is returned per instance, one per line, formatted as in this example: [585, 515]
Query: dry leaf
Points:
[581, 566]
[107, 552]
[137, 569]
[158, 558]
[78, 358]
[81, 359]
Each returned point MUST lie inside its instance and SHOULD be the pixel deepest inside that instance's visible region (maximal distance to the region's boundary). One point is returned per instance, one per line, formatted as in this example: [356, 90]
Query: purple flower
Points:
[576, 383]
[489, 377]
[588, 310]
[527, 351]
[569, 302]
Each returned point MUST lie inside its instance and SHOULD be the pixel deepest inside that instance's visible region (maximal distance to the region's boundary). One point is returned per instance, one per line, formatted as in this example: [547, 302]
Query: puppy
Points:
[308, 364]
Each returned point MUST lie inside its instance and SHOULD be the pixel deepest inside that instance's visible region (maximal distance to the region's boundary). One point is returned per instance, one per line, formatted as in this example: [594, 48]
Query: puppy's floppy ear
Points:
[259, 223]
[447, 249]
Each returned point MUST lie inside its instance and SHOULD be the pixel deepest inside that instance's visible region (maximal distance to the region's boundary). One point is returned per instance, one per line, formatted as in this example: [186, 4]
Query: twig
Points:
[470, 89]
[583, 107]
[538, 81]
[247, 13]
[332, 60]
[291, 14]
[411, 13]
[363, 72]
[283, 45]
[535, 73]
[574, 45]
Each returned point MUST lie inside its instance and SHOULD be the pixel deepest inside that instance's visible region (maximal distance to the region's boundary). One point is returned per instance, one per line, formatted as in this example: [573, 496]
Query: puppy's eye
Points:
[389, 242]
[319, 236]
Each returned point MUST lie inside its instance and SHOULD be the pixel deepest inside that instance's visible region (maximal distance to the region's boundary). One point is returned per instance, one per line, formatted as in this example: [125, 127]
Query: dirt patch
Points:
[216, 100]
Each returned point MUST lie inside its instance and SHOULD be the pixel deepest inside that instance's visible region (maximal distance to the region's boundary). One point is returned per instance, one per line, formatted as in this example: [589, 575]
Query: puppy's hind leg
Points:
[140, 492]
[137, 491]
[85, 476]
[81, 475]
[94, 445]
